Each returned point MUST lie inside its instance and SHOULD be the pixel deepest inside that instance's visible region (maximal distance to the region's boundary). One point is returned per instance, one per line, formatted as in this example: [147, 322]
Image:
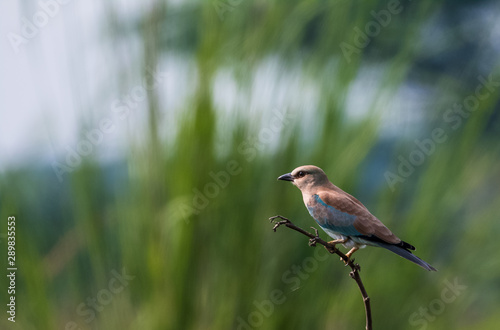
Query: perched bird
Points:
[343, 217]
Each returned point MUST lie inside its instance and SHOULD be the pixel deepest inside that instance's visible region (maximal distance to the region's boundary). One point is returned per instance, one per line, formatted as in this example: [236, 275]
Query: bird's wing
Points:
[364, 222]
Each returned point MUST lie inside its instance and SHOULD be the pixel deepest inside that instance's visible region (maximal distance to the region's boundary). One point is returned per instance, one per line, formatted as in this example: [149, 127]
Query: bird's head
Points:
[306, 177]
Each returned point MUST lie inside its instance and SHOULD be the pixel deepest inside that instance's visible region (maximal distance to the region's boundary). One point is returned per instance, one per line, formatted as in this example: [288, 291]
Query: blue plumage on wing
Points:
[332, 219]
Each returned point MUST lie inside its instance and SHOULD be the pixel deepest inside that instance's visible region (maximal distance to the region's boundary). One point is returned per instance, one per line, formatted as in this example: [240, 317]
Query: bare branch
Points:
[355, 268]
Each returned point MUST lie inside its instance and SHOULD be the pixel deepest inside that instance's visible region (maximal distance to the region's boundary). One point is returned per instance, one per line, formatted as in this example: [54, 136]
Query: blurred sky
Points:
[67, 74]
[51, 79]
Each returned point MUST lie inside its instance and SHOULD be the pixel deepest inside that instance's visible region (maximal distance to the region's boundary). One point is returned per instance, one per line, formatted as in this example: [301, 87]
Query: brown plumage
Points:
[344, 217]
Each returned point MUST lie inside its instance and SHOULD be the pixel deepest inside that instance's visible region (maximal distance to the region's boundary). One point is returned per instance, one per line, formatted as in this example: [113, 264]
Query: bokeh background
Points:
[144, 139]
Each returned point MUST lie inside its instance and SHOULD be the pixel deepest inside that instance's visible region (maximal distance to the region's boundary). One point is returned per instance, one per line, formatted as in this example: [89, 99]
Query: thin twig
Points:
[355, 268]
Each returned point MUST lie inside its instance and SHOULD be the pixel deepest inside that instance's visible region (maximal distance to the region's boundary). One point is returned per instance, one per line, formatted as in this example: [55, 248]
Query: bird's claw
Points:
[348, 261]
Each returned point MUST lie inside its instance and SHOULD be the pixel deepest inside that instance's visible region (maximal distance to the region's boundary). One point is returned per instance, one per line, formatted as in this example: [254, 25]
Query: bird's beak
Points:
[286, 177]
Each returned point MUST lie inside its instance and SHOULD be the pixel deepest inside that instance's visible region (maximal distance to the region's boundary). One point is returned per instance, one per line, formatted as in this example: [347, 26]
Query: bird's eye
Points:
[301, 174]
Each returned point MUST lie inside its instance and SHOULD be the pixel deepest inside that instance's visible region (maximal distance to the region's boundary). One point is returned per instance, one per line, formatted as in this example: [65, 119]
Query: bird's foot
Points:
[348, 255]
[313, 241]
[351, 251]
[337, 241]
[347, 261]
[278, 223]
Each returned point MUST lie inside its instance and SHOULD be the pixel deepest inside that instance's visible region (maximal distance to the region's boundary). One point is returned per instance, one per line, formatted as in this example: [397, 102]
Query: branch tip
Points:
[355, 268]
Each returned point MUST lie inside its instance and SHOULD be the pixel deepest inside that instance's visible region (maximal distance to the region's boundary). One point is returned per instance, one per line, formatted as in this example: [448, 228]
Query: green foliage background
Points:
[198, 266]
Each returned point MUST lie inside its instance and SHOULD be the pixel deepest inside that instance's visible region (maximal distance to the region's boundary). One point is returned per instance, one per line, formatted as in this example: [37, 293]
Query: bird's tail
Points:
[407, 255]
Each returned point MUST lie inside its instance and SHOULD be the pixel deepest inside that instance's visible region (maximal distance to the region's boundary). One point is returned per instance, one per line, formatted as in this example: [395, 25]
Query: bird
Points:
[344, 218]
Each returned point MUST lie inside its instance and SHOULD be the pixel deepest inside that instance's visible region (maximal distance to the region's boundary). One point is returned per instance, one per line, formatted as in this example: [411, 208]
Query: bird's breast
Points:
[328, 216]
